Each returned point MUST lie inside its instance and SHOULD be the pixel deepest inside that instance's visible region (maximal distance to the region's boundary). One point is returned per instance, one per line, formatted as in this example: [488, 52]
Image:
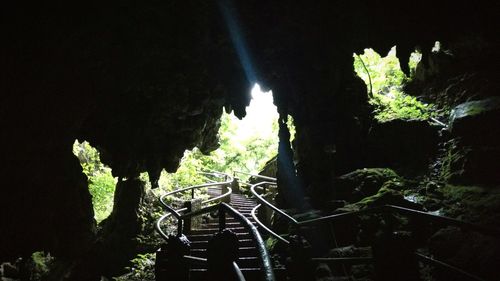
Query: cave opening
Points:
[101, 182]
[386, 82]
[147, 83]
[248, 145]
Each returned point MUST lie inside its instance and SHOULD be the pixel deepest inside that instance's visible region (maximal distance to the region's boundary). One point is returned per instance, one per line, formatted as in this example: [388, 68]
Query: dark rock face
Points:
[476, 122]
[471, 164]
[117, 244]
[468, 250]
[46, 214]
[139, 82]
[144, 81]
[473, 154]
[459, 72]
[402, 144]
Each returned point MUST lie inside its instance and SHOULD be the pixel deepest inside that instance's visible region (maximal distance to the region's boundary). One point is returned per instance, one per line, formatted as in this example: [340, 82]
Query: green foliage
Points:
[247, 152]
[101, 182]
[478, 204]
[387, 80]
[142, 269]
[187, 174]
[397, 105]
[37, 267]
[243, 147]
[102, 187]
[271, 243]
[41, 262]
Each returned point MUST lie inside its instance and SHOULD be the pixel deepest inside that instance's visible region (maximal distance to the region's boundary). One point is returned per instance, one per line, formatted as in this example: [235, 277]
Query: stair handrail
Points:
[410, 212]
[379, 209]
[267, 269]
[265, 228]
[177, 213]
[255, 176]
[267, 203]
[264, 260]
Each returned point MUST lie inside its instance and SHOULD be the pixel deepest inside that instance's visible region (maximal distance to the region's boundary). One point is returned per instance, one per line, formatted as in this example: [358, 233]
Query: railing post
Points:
[179, 227]
[265, 213]
[170, 264]
[192, 193]
[224, 189]
[192, 222]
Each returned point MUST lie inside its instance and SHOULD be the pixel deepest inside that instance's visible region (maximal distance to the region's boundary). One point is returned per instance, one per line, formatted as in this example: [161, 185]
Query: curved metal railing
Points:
[264, 260]
[375, 210]
[177, 213]
[255, 176]
[223, 208]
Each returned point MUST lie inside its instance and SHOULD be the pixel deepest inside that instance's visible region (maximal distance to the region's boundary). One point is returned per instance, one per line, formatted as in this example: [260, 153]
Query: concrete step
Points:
[243, 201]
[243, 252]
[208, 236]
[215, 224]
[230, 219]
[202, 244]
[243, 262]
[212, 230]
[251, 274]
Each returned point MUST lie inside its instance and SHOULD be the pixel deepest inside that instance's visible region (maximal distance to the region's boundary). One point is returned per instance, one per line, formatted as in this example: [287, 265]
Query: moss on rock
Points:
[364, 182]
[385, 196]
[475, 204]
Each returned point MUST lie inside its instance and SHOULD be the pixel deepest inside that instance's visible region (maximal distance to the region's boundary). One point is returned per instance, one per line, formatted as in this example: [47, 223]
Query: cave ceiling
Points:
[145, 80]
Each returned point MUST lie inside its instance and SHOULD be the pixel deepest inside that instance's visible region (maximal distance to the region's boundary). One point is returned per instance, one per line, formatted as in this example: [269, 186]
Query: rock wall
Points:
[143, 81]
[305, 50]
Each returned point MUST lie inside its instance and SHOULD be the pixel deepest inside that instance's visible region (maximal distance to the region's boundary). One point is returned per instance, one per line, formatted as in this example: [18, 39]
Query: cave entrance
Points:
[385, 85]
[246, 145]
[100, 180]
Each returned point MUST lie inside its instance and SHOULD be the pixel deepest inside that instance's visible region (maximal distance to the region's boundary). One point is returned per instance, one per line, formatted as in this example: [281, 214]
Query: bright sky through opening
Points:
[261, 114]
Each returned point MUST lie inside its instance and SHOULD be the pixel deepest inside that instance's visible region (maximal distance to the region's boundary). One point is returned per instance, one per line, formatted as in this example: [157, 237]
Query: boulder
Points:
[473, 154]
[473, 252]
[361, 183]
[471, 164]
[476, 122]
[404, 145]
[475, 204]
[385, 196]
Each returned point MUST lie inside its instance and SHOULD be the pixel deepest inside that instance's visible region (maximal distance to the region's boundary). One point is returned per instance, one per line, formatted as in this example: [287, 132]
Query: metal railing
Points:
[177, 213]
[216, 204]
[375, 210]
[255, 176]
[264, 260]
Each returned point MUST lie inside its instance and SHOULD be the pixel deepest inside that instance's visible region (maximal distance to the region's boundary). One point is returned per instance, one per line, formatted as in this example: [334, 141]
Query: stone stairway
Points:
[248, 261]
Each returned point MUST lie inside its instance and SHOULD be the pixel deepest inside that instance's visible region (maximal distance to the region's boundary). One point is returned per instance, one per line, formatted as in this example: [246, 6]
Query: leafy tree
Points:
[384, 77]
[246, 153]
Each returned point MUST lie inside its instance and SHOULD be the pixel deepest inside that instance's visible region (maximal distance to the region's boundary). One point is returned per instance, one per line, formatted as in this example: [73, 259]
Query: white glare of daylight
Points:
[437, 47]
[261, 113]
